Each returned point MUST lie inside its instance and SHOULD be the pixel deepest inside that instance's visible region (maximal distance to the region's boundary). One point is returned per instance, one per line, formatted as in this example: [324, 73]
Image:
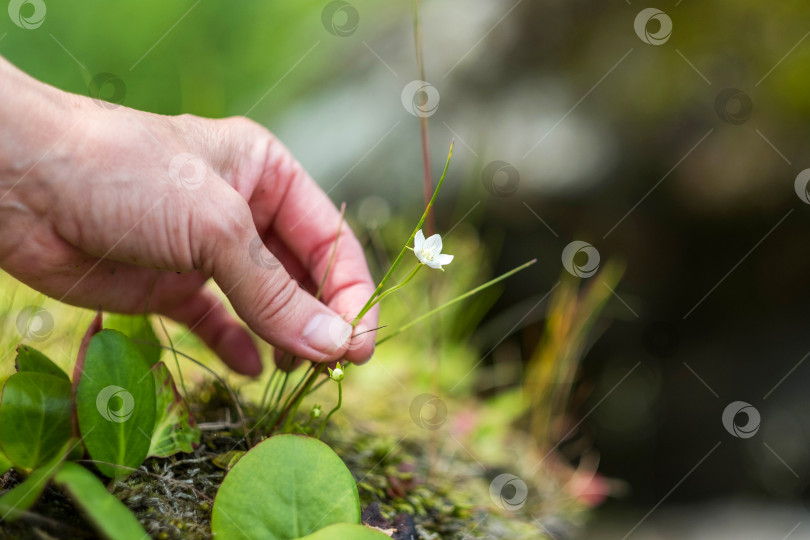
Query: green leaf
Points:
[347, 531]
[23, 496]
[115, 403]
[5, 464]
[34, 418]
[140, 331]
[285, 487]
[30, 359]
[175, 429]
[228, 460]
[108, 514]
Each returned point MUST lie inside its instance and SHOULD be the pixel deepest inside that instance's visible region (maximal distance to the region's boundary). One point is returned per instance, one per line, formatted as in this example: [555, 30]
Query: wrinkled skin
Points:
[112, 208]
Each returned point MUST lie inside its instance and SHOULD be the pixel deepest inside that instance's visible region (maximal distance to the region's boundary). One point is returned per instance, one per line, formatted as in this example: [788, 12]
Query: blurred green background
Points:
[633, 147]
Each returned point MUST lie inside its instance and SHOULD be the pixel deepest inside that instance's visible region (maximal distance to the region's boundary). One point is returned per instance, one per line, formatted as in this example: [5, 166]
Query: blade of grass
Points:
[456, 300]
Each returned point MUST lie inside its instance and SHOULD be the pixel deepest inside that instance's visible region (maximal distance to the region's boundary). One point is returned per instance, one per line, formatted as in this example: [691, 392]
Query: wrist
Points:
[38, 122]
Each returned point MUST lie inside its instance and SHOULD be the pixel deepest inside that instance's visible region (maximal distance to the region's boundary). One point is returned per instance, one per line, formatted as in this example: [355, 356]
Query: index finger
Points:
[307, 222]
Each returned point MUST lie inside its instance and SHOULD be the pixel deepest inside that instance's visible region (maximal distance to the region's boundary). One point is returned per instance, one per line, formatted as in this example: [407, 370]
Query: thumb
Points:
[260, 288]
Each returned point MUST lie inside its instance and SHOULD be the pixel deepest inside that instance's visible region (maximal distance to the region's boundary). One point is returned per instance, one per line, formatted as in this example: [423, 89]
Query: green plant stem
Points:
[296, 398]
[333, 411]
[270, 383]
[456, 300]
[292, 404]
[399, 286]
[176, 360]
[295, 405]
[387, 275]
[334, 252]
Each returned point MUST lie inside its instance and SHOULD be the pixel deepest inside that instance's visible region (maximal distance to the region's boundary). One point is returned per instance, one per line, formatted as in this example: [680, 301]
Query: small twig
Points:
[423, 119]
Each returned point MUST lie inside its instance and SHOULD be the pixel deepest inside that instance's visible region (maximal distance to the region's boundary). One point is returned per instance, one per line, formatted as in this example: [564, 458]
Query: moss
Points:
[173, 497]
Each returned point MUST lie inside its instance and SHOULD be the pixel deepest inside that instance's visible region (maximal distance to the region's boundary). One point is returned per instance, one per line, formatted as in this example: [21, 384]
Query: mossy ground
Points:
[400, 480]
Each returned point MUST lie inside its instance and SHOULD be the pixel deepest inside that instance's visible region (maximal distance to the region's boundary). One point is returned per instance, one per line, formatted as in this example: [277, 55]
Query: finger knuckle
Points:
[279, 299]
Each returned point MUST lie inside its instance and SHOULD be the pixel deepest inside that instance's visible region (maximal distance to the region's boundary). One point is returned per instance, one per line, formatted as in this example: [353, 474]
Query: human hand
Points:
[124, 210]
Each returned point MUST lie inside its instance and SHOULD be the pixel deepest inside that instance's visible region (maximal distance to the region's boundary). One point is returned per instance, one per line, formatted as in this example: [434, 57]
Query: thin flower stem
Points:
[293, 406]
[270, 383]
[399, 286]
[387, 275]
[332, 255]
[303, 392]
[277, 398]
[334, 252]
[176, 360]
[456, 300]
[333, 411]
[222, 381]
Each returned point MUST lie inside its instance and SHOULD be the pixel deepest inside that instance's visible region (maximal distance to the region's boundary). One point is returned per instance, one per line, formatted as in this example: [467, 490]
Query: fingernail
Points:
[327, 333]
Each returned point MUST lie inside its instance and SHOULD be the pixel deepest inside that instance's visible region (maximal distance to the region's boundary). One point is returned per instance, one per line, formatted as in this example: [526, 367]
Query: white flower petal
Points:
[418, 241]
[443, 259]
[434, 244]
[432, 264]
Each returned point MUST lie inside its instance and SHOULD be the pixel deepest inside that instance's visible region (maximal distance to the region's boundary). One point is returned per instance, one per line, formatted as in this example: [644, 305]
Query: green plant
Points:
[288, 486]
[121, 406]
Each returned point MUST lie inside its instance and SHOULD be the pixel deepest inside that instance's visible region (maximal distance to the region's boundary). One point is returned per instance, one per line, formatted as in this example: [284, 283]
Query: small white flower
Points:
[429, 251]
[337, 373]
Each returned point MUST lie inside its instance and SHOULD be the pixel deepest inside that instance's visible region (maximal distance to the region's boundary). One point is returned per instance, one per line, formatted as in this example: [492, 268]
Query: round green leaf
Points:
[115, 403]
[30, 359]
[347, 531]
[34, 418]
[286, 487]
[140, 331]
